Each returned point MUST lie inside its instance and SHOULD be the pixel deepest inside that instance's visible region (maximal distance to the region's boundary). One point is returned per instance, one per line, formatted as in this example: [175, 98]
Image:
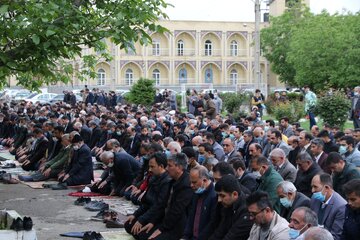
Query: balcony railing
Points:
[210, 52]
[158, 52]
[237, 53]
[185, 51]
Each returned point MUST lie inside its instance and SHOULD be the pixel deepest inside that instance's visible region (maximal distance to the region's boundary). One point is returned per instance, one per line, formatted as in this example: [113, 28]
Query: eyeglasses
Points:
[254, 214]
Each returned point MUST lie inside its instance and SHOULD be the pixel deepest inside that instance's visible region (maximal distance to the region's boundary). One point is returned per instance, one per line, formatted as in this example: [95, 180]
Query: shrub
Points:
[142, 92]
[233, 101]
[333, 109]
[294, 110]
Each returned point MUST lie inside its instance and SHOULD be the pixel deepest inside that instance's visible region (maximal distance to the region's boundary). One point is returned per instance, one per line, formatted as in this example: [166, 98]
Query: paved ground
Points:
[53, 212]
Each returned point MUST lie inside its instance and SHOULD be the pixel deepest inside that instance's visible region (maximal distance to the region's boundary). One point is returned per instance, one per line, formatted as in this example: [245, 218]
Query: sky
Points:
[242, 10]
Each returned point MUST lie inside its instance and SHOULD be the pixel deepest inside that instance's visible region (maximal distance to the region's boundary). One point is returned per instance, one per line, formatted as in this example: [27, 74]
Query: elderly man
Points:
[307, 169]
[172, 225]
[328, 204]
[268, 224]
[351, 229]
[342, 171]
[290, 199]
[317, 150]
[269, 179]
[282, 165]
[301, 220]
[203, 205]
[318, 233]
[229, 150]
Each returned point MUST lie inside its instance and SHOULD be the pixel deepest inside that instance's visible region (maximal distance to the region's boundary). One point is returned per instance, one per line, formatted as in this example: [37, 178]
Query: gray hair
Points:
[93, 123]
[113, 142]
[180, 159]
[203, 172]
[106, 155]
[318, 233]
[310, 216]
[287, 187]
[278, 152]
[150, 122]
[318, 142]
[78, 125]
[304, 157]
[176, 145]
[214, 122]
[192, 121]
[66, 137]
[167, 140]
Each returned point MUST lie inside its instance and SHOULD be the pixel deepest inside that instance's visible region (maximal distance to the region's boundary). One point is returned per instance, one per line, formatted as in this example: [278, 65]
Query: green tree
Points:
[142, 92]
[40, 39]
[325, 51]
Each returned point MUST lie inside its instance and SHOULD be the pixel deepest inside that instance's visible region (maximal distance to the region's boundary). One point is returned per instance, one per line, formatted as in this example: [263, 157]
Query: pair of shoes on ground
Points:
[92, 236]
[81, 201]
[25, 178]
[96, 206]
[22, 224]
[115, 223]
[8, 179]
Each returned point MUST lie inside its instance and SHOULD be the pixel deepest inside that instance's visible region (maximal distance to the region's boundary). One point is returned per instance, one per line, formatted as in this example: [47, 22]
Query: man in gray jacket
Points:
[282, 165]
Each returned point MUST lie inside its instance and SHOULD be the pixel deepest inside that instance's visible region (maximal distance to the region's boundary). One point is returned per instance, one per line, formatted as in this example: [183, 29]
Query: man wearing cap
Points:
[80, 170]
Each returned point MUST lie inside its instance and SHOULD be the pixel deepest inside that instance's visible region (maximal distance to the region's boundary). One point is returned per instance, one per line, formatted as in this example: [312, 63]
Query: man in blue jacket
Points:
[203, 206]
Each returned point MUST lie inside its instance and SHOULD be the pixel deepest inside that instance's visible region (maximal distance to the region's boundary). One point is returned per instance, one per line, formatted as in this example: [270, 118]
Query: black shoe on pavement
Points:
[17, 225]
[27, 223]
[81, 201]
[60, 186]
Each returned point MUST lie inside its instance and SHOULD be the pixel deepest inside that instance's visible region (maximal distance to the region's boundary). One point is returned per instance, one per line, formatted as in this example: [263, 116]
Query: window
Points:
[233, 77]
[101, 77]
[156, 48]
[208, 48]
[208, 75]
[233, 48]
[156, 76]
[129, 77]
[182, 76]
[180, 48]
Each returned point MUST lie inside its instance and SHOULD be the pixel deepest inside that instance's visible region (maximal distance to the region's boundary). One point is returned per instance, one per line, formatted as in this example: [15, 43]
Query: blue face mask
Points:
[200, 190]
[285, 202]
[224, 134]
[342, 150]
[201, 158]
[293, 233]
[110, 132]
[319, 196]
[232, 136]
[168, 154]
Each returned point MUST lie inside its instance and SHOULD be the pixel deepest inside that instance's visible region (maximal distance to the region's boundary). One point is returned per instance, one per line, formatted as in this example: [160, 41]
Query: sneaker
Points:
[27, 223]
[97, 206]
[25, 178]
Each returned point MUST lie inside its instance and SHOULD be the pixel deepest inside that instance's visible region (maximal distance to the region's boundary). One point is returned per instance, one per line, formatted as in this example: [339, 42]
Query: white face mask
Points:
[76, 147]
[110, 164]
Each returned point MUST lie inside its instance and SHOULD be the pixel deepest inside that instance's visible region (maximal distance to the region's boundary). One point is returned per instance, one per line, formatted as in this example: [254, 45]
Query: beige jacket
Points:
[279, 229]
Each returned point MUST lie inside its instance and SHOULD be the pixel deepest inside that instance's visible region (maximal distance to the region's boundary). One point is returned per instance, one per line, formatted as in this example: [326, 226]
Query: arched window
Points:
[180, 48]
[233, 77]
[233, 48]
[156, 48]
[208, 75]
[182, 76]
[156, 76]
[129, 77]
[208, 48]
[101, 77]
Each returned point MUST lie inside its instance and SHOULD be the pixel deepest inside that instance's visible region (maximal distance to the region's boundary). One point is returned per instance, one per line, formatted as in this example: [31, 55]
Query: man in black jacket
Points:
[246, 179]
[37, 152]
[173, 224]
[234, 222]
[153, 203]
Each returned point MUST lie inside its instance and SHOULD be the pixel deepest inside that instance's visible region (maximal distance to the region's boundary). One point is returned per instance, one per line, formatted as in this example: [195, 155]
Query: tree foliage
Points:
[333, 109]
[317, 50]
[40, 39]
[142, 92]
[233, 101]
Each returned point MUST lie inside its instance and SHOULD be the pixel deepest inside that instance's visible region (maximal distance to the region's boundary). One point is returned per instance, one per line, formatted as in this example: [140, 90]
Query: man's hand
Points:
[42, 168]
[97, 182]
[102, 184]
[147, 228]
[141, 196]
[66, 177]
[130, 188]
[47, 172]
[112, 193]
[136, 228]
[155, 234]
[26, 162]
[135, 192]
[130, 219]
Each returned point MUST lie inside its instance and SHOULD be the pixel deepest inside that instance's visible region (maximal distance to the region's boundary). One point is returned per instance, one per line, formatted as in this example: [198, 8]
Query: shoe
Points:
[81, 201]
[99, 216]
[25, 178]
[7, 178]
[59, 186]
[27, 223]
[17, 225]
[87, 236]
[95, 206]
[110, 216]
[9, 165]
[92, 236]
[1, 175]
[114, 224]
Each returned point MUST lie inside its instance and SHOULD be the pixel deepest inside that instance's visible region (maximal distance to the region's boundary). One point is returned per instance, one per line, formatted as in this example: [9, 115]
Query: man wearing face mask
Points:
[203, 205]
[290, 199]
[206, 156]
[348, 152]
[293, 142]
[301, 220]
[328, 204]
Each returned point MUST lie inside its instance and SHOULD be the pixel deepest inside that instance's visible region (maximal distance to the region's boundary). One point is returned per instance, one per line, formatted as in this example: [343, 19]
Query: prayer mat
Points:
[116, 235]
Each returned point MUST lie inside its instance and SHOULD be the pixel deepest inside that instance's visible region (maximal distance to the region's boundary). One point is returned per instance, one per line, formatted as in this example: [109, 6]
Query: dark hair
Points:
[157, 138]
[349, 140]
[333, 157]
[286, 119]
[276, 132]
[270, 122]
[323, 133]
[209, 136]
[257, 146]
[239, 164]
[224, 168]
[160, 158]
[261, 160]
[207, 147]
[37, 131]
[155, 147]
[352, 186]
[59, 129]
[261, 199]
[339, 135]
[181, 138]
[318, 142]
[325, 179]
[189, 152]
[228, 184]
[308, 136]
[249, 133]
